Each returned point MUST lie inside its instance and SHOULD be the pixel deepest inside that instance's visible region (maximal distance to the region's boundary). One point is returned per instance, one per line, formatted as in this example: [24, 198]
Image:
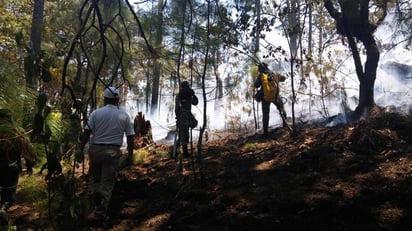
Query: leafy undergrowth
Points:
[347, 177]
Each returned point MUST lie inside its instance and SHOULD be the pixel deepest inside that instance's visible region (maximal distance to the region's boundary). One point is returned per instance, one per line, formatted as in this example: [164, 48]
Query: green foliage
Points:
[161, 153]
[13, 98]
[67, 209]
[32, 189]
[108, 51]
[250, 146]
[14, 23]
[139, 156]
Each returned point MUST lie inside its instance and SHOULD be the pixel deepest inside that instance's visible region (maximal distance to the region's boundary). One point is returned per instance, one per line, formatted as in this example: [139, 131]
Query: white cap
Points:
[111, 93]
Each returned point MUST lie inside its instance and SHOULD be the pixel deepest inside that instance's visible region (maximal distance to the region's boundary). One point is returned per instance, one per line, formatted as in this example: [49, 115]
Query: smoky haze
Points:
[235, 112]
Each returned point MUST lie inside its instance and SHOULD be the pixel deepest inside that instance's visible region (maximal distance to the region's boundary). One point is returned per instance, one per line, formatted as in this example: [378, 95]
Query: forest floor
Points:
[347, 177]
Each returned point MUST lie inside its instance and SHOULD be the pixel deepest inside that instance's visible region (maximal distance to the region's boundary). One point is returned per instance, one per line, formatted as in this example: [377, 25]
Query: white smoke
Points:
[392, 89]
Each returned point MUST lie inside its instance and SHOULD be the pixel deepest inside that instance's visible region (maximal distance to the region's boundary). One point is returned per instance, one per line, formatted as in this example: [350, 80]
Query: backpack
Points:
[259, 95]
[269, 87]
[192, 121]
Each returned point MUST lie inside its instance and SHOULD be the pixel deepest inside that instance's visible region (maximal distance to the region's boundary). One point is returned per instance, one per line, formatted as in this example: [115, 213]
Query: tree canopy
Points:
[56, 57]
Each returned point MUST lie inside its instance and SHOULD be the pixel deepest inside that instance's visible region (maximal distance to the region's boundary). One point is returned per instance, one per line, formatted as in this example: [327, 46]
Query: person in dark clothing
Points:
[10, 154]
[269, 82]
[184, 117]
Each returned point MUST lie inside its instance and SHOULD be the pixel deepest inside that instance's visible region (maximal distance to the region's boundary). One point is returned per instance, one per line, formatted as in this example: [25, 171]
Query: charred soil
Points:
[347, 177]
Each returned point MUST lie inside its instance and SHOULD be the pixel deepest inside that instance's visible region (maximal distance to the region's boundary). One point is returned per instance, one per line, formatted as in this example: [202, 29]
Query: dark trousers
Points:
[265, 113]
[9, 177]
[183, 124]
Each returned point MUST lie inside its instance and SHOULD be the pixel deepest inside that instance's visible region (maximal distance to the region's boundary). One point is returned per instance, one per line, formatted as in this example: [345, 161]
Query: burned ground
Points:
[347, 177]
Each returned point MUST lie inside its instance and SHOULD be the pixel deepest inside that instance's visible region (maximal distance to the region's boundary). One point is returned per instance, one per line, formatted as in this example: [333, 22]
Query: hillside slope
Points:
[348, 177]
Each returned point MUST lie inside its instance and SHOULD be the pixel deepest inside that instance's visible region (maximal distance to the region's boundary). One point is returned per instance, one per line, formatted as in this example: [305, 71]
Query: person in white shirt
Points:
[107, 127]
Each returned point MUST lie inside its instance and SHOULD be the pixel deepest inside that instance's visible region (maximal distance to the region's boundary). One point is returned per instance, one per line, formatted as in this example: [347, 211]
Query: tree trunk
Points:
[157, 66]
[293, 33]
[35, 39]
[219, 82]
[367, 82]
[310, 32]
[143, 131]
[258, 27]
[353, 22]
[155, 88]
[37, 24]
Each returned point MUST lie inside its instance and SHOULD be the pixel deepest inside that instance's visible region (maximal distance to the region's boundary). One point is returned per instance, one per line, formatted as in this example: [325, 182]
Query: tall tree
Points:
[158, 39]
[255, 54]
[35, 40]
[354, 21]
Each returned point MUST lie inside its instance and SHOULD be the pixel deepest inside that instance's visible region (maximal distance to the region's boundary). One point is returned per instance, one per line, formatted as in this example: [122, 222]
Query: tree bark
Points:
[37, 24]
[258, 28]
[157, 66]
[35, 38]
[143, 131]
[367, 82]
[353, 22]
